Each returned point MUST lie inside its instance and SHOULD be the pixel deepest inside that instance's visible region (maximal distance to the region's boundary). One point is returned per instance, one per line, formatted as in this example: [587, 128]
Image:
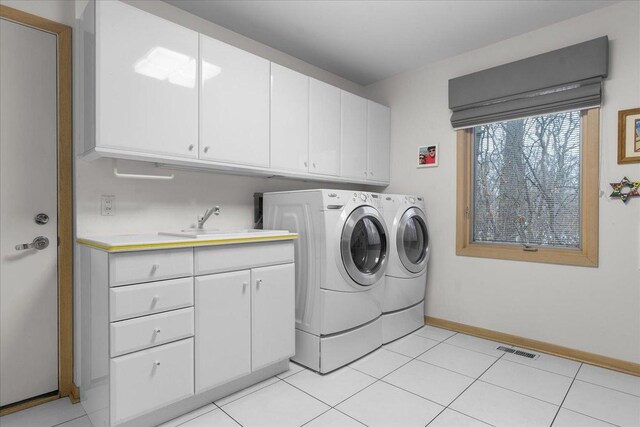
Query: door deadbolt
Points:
[41, 219]
[38, 243]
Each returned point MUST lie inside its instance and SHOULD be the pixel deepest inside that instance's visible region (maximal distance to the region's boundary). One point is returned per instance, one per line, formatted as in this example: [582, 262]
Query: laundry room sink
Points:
[214, 233]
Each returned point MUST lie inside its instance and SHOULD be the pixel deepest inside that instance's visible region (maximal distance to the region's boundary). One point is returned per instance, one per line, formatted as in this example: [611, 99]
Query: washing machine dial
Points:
[412, 200]
[363, 197]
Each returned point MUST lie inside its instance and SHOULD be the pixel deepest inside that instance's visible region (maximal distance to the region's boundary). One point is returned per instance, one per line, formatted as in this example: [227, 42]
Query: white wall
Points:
[591, 309]
[150, 206]
[61, 11]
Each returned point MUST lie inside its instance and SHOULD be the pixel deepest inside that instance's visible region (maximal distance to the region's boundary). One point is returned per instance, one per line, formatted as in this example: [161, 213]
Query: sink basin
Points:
[202, 234]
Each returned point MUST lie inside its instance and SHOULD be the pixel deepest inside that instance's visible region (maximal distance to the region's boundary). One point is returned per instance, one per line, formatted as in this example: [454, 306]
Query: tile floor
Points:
[432, 377]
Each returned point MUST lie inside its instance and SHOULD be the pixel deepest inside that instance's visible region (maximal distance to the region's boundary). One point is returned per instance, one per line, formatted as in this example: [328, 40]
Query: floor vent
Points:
[517, 352]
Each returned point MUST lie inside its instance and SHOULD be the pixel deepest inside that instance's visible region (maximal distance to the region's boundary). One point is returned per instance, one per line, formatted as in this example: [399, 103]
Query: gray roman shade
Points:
[565, 79]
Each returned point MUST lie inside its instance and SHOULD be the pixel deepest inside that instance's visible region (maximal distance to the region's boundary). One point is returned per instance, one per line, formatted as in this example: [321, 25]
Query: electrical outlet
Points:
[108, 206]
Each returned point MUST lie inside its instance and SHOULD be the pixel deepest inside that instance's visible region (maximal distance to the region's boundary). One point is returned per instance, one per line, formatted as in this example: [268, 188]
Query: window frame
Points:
[586, 255]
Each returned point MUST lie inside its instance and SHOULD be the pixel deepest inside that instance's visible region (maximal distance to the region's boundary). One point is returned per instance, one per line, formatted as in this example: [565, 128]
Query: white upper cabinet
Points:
[289, 119]
[354, 136]
[234, 105]
[324, 128]
[146, 91]
[164, 93]
[379, 119]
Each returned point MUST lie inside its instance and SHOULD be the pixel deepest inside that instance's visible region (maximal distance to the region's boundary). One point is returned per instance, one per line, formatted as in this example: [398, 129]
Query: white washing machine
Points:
[406, 276]
[341, 256]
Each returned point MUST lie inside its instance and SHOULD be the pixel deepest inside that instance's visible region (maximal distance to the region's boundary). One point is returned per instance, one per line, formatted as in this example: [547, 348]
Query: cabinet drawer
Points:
[126, 302]
[150, 379]
[218, 259]
[150, 331]
[147, 266]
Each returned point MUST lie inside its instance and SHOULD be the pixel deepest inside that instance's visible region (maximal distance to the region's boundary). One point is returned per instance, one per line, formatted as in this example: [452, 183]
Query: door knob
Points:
[38, 243]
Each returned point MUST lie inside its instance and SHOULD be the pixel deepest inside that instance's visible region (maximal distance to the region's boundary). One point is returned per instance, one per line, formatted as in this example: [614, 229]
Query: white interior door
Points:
[28, 282]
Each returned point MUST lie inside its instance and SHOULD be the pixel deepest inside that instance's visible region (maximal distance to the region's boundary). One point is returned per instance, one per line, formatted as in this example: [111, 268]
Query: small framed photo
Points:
[629, 136]
[428, 156]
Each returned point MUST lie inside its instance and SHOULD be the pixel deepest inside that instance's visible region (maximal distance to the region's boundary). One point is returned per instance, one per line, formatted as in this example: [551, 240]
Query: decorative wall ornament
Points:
[629, 136]
[625, 189]
[428, 156]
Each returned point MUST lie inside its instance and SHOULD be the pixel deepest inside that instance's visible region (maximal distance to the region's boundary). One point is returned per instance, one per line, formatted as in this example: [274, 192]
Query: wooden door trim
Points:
[66, 387]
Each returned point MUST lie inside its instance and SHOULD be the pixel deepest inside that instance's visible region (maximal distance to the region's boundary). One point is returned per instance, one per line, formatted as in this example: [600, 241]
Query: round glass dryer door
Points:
[413, 240]
[364, 247]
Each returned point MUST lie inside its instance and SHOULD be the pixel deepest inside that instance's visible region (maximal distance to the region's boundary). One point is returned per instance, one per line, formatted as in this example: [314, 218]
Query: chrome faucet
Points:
[203, 218]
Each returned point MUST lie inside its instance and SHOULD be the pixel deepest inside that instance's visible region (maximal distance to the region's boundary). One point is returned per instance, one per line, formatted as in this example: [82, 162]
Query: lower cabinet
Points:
[223, 328]
[168, 343]
[273, 314]
[151, 379]
[244, 321]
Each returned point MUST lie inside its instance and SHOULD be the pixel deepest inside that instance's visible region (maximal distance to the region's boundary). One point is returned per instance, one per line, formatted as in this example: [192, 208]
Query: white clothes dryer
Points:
[341, 256]
[406, 276]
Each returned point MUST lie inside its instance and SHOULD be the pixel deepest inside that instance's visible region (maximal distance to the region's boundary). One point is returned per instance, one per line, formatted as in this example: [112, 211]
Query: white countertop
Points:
[137, 242]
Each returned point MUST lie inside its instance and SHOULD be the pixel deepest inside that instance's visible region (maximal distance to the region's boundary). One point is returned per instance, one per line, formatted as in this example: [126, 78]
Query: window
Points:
[528, 189]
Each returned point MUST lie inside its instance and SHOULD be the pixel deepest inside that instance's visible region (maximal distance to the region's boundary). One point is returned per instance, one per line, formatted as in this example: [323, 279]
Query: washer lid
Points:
[412, 240]
[363, 245]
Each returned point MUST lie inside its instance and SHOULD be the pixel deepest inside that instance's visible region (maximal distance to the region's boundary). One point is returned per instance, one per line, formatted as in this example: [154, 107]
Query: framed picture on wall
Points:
[428, 156]
[629, 136]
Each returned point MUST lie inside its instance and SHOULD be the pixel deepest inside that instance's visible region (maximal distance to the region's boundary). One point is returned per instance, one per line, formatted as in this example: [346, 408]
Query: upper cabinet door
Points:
[324, 128]
[354, 136]
[146, 85]
[289, 119]
[379, 119]
[234, 104]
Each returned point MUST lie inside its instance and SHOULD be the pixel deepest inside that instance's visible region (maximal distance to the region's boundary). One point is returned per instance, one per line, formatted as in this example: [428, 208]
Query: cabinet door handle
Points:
[314, 165]
[156, 363]
[154, 268]
[190, 147]
[157, 331]
[206, 149]
[258, 283]
[305, 164]
[244, 286]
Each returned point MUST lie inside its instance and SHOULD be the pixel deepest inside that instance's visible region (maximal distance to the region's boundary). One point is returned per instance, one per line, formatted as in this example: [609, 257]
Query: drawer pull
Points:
[157, 331]
[156, 363]
[155, 268]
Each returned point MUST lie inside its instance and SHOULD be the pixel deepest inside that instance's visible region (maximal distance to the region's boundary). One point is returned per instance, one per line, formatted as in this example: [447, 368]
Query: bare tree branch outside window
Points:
[527, 181]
